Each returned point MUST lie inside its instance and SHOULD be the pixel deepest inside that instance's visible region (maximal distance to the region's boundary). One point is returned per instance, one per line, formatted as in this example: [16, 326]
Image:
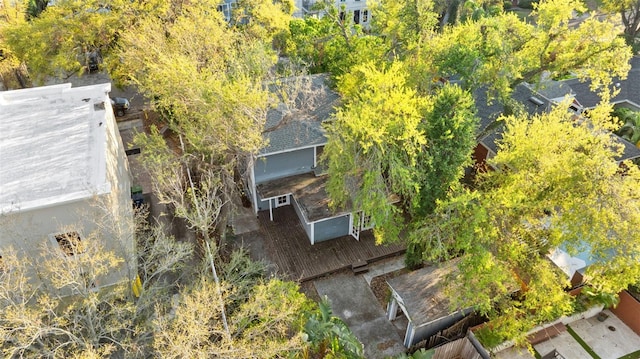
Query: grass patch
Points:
[582, 343]
[634, 355]
[536, 354]
[523, 14]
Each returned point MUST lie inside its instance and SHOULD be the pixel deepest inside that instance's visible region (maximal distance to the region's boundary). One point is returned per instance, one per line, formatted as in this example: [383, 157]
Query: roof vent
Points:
[536, 101]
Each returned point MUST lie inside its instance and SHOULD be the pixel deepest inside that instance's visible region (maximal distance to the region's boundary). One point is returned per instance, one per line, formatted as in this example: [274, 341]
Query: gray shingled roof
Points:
[629, 151]
[488, 114]
[491, 134]
[553, 89]
[629, 88]
[299, 125]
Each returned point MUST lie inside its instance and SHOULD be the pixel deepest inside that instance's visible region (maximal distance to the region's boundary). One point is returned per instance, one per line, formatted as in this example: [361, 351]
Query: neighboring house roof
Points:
[420, 292]
[553, 90]
[489, 113]
[629, 88]
[52, 145]
[299, 124]
[570, 264]
[629, 150]
[535, 103]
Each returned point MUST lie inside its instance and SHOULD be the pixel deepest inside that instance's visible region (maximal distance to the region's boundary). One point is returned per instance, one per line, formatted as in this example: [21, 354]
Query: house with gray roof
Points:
[539, 98]
[490, 129]
[287, 171]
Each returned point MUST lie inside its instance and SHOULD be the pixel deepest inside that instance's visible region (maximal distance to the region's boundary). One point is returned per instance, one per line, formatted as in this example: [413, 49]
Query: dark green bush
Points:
[527, 4]
[413, 256]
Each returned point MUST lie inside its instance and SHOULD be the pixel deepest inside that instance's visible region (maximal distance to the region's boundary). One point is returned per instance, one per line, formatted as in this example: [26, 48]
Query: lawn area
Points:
[593, 4]
[523, 14]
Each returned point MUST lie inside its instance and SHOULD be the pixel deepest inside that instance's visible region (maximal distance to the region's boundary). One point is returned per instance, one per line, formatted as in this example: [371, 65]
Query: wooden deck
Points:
[287, 246]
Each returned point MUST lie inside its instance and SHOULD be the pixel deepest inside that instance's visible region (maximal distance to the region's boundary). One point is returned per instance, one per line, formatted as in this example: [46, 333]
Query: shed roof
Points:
[421, 292]
[52, 145]
[298, 124]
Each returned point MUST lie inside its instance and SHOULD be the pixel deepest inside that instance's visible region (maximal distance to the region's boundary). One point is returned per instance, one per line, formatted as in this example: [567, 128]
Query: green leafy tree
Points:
[13, 73]
[263, 19]
[474, 10]
[205, 79]
[374, 144]
[404, 24]
[450, 128]
[503, 51]
[379, 148]
[61, 39]
[332, 43]
[557, 184]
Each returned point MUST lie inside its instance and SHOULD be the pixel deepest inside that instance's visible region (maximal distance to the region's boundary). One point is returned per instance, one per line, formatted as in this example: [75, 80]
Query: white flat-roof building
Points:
[64, 174]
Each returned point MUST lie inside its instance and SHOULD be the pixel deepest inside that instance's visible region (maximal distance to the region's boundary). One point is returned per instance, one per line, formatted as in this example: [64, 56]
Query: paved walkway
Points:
[353, 301]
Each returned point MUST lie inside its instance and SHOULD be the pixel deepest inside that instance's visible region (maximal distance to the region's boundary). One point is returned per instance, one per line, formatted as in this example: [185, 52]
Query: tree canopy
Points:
[332, 43]
[502, 51]
[378, 147]
[397, 147]
[629, 11]
[557, 184]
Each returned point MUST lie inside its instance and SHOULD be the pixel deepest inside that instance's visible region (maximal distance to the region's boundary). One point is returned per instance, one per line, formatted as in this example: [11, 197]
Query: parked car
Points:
[120, 105]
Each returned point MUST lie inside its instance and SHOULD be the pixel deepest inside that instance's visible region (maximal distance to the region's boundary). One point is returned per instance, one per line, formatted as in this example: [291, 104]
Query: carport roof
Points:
[421, 292]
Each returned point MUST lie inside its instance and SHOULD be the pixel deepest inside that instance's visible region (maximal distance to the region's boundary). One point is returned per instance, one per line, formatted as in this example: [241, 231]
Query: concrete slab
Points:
[514, 353]
[353, 301]
[565, 345]
[243, 220]
[610, 338]
[384, 267]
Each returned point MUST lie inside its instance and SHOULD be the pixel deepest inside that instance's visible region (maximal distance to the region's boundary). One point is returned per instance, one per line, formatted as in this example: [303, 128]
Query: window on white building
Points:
[365, 16]
[356, 17]
[70, 243]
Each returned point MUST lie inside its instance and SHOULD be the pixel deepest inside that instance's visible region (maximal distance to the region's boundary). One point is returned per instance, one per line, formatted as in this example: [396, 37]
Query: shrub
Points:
[527, 4]
[413, 256]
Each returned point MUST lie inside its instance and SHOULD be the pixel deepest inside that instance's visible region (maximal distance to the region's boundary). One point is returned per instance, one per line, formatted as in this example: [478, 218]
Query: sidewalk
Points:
[353, 301]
